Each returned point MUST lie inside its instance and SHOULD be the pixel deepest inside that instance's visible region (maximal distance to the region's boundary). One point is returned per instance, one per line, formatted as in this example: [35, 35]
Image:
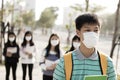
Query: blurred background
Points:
[44, 17]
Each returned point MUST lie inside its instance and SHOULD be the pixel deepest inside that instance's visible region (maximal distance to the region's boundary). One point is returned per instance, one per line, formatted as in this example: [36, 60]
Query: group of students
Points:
[12, 52]
[84, 54]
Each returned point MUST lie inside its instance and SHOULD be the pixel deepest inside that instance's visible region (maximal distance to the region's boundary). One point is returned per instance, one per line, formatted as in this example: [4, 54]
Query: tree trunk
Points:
[87, 5]
[115, 30]
[2, 6]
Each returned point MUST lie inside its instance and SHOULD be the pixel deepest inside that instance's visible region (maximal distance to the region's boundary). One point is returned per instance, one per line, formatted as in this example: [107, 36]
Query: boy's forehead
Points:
[90, 26]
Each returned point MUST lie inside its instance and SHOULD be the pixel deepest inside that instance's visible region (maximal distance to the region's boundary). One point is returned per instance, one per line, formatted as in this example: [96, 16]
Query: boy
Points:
[85, 59]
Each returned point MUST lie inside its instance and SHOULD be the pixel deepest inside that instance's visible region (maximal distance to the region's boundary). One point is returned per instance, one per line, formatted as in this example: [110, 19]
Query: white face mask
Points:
[90, 39]
[54, 42]
[28, 38]
[76, 44]
[11, 39]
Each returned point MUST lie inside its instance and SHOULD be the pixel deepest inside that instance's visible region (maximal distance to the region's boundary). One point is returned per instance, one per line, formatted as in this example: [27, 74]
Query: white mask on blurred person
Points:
[54, 42]
[76, 44]
[11, 39]
[90, 39]
[28, 38]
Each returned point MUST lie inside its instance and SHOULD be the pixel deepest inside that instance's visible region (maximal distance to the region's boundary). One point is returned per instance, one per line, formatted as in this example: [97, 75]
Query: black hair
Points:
[86, 19]
[24, 43]
[57, 49]
[8, 41]
[74, 38]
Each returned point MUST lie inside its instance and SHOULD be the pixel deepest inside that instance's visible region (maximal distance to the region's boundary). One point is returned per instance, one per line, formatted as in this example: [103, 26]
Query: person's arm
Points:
[5, 50]
[111, 70]
[62, 53]
[34, 51]
[16, 55]
[42, 60]
[22, 53]
[59, 73]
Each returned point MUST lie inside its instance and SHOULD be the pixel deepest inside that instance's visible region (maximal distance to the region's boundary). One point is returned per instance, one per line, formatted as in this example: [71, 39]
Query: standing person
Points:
[11, 54]
[27, 54]
[75, 43]
[50, 57]
[86, 60]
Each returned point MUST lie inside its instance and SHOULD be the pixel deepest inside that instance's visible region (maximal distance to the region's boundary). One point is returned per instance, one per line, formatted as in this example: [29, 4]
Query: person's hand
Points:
[52, 67]
[8, 54]
[49, 68]
[26, 53]
[30, 55]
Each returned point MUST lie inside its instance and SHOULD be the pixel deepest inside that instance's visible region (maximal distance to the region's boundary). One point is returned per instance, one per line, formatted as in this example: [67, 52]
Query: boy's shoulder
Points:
[105, 54]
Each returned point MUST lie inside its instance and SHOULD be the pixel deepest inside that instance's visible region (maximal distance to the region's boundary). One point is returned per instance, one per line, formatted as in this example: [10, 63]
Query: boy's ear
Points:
[77, 32]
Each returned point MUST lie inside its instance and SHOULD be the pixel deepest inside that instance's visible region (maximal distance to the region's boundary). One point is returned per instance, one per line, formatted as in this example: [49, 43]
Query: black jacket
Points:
[15, 56]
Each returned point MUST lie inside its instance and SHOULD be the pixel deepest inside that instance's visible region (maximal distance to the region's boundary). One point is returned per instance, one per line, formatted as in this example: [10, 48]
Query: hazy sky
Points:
[42, 4]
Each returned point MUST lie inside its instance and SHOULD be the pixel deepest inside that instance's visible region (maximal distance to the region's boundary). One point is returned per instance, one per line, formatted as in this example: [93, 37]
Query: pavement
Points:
[37, 74]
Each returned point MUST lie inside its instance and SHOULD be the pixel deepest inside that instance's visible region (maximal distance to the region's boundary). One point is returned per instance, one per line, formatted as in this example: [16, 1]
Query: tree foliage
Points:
[18, 16]
[48, 17]
[28, 18]
[7, 9]
[87, 8]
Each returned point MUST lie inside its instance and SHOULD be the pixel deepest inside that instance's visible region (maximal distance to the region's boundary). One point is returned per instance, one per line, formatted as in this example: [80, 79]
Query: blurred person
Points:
[86, 60]
[50, 57]
[11, 54]
[27, 54]
[75, 43]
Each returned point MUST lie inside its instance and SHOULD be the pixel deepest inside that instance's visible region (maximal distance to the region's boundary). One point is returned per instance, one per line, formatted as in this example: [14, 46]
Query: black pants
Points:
[30, 69]
[45, 77]
[9, 65]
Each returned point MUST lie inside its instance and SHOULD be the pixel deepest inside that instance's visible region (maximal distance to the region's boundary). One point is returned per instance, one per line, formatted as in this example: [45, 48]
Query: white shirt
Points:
[25, 57]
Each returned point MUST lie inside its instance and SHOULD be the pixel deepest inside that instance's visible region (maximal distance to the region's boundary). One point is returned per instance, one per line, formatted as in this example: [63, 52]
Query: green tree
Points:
[47, 18]
[10, 10]
[28, 18]
[87, 8]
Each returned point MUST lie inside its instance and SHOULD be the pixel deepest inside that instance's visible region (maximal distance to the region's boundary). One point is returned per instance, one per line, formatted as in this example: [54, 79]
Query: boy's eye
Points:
[87, 30]
[95, 30]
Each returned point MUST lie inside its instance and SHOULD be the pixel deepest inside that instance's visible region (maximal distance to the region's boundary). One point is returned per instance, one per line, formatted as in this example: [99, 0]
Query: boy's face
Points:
[87, 28]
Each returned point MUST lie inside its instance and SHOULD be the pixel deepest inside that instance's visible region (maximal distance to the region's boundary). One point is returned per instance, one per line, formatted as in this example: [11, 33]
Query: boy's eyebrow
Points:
[89, 27]
[86, 26]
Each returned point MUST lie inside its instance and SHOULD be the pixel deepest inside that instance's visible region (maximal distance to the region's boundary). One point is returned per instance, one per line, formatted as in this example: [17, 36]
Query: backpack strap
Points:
[103, 63]
[68, 65]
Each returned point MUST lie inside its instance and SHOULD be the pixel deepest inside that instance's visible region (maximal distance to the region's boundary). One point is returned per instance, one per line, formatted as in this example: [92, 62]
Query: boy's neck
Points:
[87, 52]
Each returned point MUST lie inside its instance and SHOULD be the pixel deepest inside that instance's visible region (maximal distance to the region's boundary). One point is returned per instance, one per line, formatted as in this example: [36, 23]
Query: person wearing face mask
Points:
[11, 54]
[86, 60]
[50, 57]
[75, 43]
[27, 54]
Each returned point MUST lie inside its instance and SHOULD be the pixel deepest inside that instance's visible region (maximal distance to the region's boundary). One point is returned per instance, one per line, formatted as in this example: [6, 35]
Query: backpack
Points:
[68, 64]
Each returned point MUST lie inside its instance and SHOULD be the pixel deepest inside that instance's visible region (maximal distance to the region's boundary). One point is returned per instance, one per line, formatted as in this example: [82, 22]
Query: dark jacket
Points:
[15, 56]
